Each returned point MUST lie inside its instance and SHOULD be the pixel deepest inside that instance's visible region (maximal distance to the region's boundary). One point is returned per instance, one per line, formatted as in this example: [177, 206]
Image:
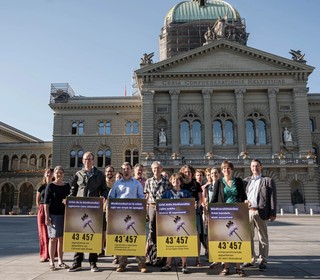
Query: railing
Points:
[171, 163]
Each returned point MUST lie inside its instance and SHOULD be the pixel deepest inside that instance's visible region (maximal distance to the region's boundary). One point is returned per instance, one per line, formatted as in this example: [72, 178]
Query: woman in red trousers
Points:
[42, 227]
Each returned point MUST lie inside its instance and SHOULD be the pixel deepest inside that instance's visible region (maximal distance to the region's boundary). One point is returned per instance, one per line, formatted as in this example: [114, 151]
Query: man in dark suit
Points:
[262, 203]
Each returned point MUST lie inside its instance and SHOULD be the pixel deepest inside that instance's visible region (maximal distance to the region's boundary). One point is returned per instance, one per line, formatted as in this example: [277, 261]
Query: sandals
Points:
[63, 265]
[198, 262]
[166, 268]
[240, 272]
[225, 272]
[44, 260]
[52, 267]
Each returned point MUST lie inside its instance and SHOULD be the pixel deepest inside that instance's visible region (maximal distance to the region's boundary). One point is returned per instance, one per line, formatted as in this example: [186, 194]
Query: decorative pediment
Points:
[223, 58]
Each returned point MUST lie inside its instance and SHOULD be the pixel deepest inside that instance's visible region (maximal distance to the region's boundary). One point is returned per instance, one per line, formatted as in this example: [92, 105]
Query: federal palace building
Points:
[210, 97]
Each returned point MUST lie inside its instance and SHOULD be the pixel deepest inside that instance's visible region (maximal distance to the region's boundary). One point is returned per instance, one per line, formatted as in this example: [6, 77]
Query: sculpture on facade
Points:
[209, 35]
[219, 27]
[147, 58]
[162, 137]
[287, 135]
[297, 56]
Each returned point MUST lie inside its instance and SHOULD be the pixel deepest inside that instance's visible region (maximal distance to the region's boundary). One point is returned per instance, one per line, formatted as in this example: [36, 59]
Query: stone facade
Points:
[222, 100]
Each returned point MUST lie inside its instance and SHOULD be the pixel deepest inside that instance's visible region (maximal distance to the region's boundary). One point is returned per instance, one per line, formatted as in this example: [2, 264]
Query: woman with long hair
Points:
[42, 228]
[54, 208]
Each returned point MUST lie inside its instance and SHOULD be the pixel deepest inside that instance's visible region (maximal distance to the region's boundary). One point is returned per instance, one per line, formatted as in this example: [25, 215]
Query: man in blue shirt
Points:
[128, 187]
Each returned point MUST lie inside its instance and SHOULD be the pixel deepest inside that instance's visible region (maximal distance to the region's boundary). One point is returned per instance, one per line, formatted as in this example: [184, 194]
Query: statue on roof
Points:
[219, 27]
[147, 58]
[297, 56]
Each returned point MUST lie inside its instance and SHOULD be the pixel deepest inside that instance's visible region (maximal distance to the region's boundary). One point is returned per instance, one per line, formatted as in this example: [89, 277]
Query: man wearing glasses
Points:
[88, 182]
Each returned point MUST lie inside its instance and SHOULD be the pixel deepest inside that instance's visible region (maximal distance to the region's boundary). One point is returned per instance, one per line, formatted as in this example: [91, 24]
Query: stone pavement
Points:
[294, 254]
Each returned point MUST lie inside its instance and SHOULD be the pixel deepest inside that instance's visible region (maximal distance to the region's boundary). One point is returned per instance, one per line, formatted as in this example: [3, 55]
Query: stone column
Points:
[147, 123]
[208, 138]
[302, 133]
[34, 208]
[175, 131]
[16, 201]
[274, 120]
[240, 120]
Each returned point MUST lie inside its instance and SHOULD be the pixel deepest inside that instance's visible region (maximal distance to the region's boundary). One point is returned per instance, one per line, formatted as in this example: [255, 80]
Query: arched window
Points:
[196, 133]
[262, 132]
[104, 128]
[101, 128]
[76, 156]
[190, 130]
[135, 128]
[229, 132]
[132, 156]
[217, 133]
[250, 132]
[104, 157]
[223, 130]
[132, 127]
[108, 128]
[74, 128]
[256, 132]
[311, 125]
[73, 156]
[81, 128]
[80, 156]
[5, 163]
[77, 128]
[100, 158]
[42, 162]
[184, 133]
[135, 157]
[23, 162]
[128, 127]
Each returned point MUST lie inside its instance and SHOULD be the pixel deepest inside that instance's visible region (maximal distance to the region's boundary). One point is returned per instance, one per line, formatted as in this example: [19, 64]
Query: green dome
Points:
[192, 11]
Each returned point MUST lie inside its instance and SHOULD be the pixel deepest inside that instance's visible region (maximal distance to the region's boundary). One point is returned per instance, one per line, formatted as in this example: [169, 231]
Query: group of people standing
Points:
[212, 185]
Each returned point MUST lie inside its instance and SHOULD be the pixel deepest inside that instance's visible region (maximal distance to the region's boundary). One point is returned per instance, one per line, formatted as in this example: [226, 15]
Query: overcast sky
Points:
[95, 45]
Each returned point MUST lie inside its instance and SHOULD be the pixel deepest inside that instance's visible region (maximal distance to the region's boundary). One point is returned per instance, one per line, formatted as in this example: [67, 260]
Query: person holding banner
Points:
[128, 187]
[154, 188]
[176, 192]
[262, 203]
[191, 185]
[88, 182]
[208, 193]
[229, 189]
[54, 208]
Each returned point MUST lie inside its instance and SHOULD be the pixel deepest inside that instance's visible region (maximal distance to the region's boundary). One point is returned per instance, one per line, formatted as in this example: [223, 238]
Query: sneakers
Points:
[143, 269]
[74, 267]
[262, 265]
[248, 265]
[120, 269]
[185, 269]
[94, 267]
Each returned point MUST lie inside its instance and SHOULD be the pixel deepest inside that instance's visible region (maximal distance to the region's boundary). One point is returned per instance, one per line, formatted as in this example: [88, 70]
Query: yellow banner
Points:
[177, 246]
[230, 251]
[82, 242]
[229, 233]
[124, 245]
[176, 228]
[126, 227]
[83, 225]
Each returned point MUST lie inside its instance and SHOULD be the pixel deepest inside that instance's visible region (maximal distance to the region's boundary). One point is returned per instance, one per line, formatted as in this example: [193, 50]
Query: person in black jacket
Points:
[88, 182]
[229, 189]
